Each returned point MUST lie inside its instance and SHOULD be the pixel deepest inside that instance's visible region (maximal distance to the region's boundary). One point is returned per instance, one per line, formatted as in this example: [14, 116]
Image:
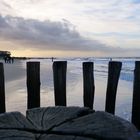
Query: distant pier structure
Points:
[4, 54]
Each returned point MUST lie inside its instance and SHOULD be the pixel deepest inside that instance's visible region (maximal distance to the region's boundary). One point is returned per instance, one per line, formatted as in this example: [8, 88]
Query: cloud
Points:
[119, 34]
[46, 35]
[114, 23]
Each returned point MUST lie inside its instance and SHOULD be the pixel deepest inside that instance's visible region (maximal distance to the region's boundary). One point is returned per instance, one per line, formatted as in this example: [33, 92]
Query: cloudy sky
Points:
[70, 27]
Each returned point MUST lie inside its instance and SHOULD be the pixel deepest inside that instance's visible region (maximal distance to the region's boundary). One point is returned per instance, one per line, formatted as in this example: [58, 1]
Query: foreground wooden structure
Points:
[65, 123]
[59, 75]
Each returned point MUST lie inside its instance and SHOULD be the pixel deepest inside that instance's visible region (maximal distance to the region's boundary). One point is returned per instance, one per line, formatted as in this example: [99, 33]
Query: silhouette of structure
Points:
[4, 54]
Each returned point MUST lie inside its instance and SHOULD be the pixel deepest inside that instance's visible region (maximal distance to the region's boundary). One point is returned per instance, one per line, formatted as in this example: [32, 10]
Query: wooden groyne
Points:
[59, 76]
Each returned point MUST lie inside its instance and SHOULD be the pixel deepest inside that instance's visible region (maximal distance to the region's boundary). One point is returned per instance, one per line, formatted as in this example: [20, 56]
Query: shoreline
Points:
[16, 90]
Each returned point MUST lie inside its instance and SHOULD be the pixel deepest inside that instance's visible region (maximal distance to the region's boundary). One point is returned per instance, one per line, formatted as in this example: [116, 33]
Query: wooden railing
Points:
[59, 76]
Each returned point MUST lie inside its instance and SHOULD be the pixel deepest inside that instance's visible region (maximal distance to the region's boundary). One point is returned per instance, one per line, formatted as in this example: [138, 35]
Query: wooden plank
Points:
[15, 120]
[47, 118]
[63, 137]
[113, 78]
[2, 89]
[12, 134]
[136, 96]
[99, 125]
[70, 123]
[33, 84]
[88, 84]
[59, 76]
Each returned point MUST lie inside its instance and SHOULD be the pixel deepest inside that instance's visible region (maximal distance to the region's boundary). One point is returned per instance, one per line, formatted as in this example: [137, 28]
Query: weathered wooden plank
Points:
[54, 123]
[46, 118]
[88, 84]
[99, 125]
[136, 96]
[2, 89]
[33, 84]
[16, 135]
[14, 120]
[59, 76]
[63, 137]
[113, 78]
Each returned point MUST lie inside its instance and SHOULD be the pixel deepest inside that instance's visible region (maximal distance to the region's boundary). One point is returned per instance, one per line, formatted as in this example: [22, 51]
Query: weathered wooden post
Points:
[113, 78]
[59, 76]
[33, 84]
[136, 96]
[88, 84]
[2, 89]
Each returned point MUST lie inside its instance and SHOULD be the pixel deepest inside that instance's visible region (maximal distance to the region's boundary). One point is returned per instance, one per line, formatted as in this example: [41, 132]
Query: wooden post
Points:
[59, 75]
[88, 84]
[2, 89]
[113, 78]
[136, 96]
[33, 84]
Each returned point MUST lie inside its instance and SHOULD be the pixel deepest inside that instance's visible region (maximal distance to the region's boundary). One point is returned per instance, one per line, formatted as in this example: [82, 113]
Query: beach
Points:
[16, 90]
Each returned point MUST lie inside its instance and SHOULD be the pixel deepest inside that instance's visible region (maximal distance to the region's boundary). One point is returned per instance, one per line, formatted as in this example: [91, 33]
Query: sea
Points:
[16, 90]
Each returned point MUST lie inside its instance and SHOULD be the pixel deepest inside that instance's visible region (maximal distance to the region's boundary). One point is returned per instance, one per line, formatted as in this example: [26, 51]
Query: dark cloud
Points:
[46, 35]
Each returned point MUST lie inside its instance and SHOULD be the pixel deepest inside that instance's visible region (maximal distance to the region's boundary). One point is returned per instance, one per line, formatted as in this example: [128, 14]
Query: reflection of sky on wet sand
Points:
[16, 91]
[14, 71]
[15, 86]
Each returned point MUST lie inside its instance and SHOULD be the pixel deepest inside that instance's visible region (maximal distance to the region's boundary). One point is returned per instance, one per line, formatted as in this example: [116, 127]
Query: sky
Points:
[70, 28]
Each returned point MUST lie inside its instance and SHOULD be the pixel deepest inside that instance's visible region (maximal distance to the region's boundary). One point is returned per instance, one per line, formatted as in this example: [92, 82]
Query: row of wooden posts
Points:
[59, 75]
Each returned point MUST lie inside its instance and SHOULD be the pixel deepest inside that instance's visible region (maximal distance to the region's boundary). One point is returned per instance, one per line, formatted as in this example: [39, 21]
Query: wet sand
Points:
[16, 91]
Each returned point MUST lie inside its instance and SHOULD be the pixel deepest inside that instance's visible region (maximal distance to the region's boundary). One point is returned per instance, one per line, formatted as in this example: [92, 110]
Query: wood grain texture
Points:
[47, 118]
[14, 120]
[63, 137]
[16, 135]
[65, 123]
[98, 125]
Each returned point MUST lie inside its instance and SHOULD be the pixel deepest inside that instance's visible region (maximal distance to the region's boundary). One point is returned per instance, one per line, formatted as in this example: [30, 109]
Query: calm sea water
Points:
[16, 92]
